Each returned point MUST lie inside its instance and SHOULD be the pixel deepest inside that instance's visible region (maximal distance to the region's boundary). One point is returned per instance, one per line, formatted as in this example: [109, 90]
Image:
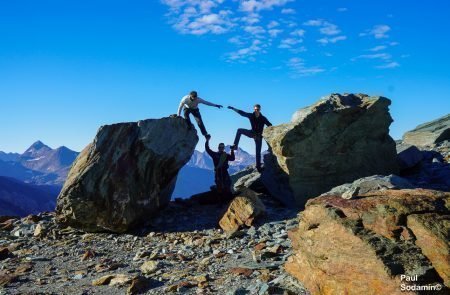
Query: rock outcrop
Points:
[337, 140]
[408, 156]
[365, 245]
[125, 175]
[248, 178]
[242, 211]
[370, 184]
[429, 133]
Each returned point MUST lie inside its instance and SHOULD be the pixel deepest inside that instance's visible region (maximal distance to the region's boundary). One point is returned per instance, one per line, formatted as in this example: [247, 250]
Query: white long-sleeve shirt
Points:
[187, 102]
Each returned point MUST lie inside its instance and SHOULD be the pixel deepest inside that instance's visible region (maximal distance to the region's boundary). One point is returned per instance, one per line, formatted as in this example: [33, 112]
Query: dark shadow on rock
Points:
[203, 211]
[433, 172]
[141, 285]
[277, 181]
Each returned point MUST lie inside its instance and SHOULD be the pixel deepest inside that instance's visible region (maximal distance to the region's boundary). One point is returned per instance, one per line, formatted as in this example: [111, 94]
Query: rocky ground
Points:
[181, 251]
[373, 223]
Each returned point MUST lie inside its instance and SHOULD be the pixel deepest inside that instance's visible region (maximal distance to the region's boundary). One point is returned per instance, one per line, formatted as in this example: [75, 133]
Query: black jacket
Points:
[216, 158]
[256, 122]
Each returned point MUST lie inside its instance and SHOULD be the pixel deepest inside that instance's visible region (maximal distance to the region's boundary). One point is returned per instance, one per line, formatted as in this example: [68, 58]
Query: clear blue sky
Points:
[67, 67]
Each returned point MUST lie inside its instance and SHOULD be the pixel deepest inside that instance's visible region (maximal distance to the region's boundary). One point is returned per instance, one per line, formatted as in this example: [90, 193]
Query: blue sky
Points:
[67, 67]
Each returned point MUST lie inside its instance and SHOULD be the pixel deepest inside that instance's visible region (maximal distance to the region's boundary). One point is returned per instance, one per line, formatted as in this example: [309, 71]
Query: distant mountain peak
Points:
[36, 150]
[63, 148]
[37, 146]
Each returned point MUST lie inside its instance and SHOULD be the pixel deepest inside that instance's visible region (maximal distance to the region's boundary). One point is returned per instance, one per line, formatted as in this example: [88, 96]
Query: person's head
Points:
[257, 108]
[193, 94]
[221, 147]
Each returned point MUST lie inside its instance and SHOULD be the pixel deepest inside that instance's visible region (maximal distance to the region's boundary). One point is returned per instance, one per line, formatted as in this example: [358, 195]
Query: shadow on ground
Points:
[203, 211]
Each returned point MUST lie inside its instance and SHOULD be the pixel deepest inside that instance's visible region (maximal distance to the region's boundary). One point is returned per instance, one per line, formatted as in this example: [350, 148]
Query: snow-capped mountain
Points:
[35, 151]
[39, 164]
[30, 182]
[42, 158]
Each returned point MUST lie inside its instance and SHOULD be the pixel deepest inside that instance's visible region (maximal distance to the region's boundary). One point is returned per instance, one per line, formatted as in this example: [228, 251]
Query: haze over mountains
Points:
[30, 182]
[20, 198]
[39, 164]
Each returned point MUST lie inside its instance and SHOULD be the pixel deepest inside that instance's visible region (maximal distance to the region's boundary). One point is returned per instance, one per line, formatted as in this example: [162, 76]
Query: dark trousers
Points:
[223, 185]
[222, 180]
[197, 117]
[256, 137]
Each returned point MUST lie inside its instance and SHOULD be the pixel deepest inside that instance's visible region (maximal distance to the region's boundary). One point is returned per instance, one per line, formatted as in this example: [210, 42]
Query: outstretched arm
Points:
[242, 113]
[207, 149]
[200, 100]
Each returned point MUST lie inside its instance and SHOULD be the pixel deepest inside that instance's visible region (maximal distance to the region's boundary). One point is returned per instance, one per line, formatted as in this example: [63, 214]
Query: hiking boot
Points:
[208, 136]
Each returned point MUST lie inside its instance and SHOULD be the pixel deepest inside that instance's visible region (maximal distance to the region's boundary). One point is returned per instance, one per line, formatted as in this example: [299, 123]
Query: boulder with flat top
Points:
[125, 175]
[337, 140]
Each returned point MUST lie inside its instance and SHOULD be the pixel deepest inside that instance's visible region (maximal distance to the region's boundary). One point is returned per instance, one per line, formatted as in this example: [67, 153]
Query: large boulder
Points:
[336, 140]
[373, 244]
[125, 175]
[429, 133]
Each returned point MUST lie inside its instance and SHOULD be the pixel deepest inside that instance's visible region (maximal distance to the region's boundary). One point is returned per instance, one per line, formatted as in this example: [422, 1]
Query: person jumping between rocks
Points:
[189, 104]
[221, 176]
[257, 121]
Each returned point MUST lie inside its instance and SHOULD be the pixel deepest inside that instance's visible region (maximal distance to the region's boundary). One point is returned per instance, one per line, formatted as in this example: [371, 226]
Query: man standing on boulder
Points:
[221, 176]
[189, 104]
[257, 121]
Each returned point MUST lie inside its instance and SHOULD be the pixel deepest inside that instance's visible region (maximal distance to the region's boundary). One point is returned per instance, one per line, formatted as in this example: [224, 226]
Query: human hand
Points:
[230, 107]
[219, 106]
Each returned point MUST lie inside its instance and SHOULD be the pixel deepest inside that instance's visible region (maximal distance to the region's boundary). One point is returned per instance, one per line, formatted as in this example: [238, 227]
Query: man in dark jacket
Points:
[221, 176]
[257, 121]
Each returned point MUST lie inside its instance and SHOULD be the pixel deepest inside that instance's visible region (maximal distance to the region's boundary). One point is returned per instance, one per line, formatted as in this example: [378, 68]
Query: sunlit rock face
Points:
[126, 174]
[334, 141]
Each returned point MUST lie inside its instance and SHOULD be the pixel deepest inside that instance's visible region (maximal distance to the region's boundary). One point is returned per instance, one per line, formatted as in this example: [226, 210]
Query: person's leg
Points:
[218, 181]
[186, 113]
[198, 118]
[241, 131]
[258, 144]
[227, 186]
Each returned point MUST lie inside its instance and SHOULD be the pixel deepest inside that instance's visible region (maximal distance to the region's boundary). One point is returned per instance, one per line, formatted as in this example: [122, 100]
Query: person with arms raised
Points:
[221, 176]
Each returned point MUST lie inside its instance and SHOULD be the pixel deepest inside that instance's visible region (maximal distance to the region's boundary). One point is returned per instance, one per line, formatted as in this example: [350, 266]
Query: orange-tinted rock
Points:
[432, 232]
[242, 211]
[6, 218]
[246, 272]
[7, 225]
[358, 246]
[6, 278]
